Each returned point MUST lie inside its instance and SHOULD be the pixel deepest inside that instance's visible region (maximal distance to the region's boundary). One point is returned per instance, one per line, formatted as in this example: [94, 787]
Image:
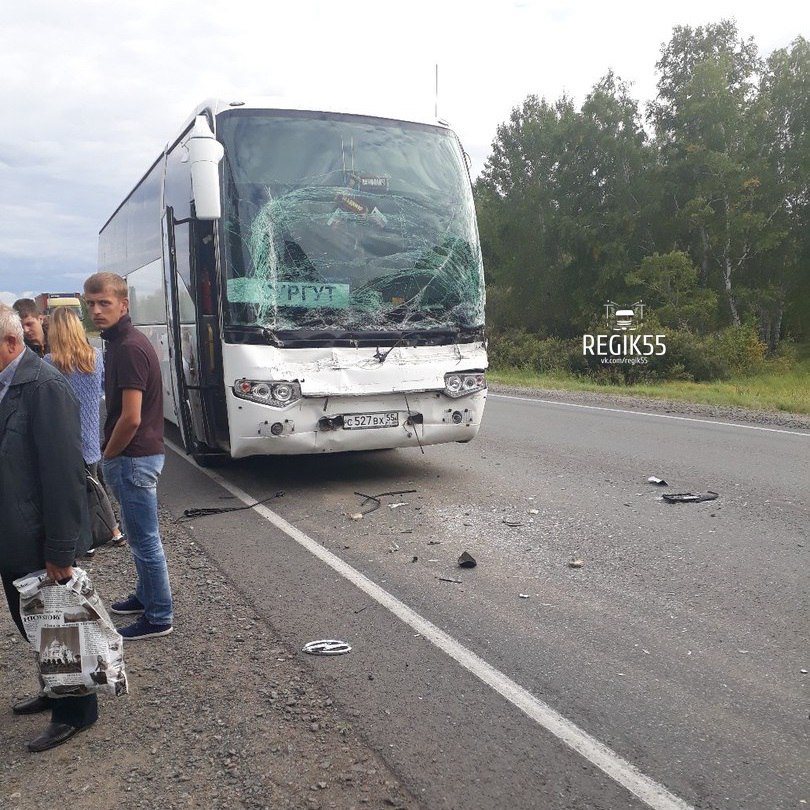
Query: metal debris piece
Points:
[523, 595]
[512, 523]
[449, 579]
[466, 560]
[326, 646]
[376, 502]
[576, 563]
[397, 505]
[659, 482]
[688, 497]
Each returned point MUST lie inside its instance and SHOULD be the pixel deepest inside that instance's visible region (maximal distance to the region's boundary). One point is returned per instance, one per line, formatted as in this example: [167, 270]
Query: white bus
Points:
[311, 280]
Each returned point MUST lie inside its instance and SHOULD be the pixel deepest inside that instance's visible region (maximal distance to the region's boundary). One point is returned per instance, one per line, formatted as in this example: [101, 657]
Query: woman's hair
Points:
[69, 348]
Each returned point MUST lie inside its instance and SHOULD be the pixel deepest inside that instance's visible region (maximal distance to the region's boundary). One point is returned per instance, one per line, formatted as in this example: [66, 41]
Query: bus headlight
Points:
[275, 394]
[458, 384]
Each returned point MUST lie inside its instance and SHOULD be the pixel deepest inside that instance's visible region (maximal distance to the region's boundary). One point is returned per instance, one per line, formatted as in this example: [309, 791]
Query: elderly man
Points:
[40, 446]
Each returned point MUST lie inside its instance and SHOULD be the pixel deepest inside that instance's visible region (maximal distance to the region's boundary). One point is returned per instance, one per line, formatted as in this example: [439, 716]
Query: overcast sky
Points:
[91, 90]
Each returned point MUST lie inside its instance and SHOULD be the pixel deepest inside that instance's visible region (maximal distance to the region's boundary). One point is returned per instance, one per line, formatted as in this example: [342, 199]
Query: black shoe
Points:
[54, 734]
[32, 705]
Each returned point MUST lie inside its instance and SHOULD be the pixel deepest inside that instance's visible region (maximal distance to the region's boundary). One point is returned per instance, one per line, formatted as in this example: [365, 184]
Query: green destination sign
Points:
[311, 295]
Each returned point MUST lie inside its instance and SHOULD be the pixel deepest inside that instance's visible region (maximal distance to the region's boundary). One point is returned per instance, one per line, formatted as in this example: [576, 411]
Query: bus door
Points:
[182, 407]
[194, 336]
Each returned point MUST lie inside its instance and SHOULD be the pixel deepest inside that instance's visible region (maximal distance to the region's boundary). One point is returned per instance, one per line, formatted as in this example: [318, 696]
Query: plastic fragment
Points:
[523, 595]
[466, 560]
[688, 497]
[659, 482]
[356, 516]
[576, 563]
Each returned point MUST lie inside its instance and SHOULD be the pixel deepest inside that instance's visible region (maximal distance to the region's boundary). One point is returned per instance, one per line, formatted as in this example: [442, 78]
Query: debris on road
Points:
[377, 502]
[449, 579]
[326, 646]
[577, 563]
[466, 560]
[659, 482]
[191, 514]
[688, 497]
[523, 595]
[512, 523]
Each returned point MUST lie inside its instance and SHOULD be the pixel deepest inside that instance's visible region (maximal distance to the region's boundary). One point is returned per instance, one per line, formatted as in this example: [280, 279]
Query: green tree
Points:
[783, 275]
[669, 285]
[518, 202]
[562, 203]
[704, 129]
[606, 198]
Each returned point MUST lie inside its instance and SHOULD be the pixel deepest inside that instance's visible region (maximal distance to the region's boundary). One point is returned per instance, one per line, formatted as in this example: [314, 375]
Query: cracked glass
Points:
[342, 227]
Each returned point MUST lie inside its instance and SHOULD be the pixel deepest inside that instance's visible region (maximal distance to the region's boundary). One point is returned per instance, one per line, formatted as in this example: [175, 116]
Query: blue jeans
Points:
[133, 481]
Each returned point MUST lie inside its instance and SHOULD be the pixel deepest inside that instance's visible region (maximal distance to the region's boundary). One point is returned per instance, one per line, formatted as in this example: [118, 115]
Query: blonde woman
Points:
[83, 367]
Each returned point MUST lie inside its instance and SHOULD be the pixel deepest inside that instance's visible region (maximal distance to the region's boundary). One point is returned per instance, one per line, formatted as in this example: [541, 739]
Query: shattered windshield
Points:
[346, 225]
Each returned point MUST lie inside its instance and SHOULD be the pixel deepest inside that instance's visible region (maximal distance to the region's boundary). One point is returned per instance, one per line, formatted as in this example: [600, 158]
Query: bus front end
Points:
[352, 284]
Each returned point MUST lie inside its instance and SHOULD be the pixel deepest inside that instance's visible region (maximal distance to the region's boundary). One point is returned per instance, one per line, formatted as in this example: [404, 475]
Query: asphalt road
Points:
[666, 671]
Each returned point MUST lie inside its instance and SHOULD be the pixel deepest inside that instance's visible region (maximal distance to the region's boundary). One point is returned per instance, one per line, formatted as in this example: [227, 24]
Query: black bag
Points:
[102, 517]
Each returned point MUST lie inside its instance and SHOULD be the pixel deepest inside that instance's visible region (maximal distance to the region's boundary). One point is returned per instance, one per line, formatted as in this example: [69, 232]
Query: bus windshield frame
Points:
[345, 228]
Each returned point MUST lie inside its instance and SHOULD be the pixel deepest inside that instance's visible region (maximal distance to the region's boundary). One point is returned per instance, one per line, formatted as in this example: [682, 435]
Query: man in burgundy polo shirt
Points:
[133, 450]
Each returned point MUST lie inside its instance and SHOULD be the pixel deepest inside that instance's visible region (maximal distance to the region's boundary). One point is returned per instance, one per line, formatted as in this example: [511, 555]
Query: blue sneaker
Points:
[143, 628]
[129, 605]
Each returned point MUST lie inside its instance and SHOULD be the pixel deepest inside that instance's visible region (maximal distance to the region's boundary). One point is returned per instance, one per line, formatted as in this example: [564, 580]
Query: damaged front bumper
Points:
[345, 423]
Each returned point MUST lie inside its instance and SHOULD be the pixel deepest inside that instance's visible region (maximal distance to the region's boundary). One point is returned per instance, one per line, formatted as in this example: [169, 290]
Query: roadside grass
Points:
[774, 388]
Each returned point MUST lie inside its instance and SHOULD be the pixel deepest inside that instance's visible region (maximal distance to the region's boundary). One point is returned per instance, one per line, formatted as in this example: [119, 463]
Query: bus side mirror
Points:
[204, 155]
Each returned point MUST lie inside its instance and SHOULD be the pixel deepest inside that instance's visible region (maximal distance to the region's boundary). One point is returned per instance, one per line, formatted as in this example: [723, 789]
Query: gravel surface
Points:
[220, 713]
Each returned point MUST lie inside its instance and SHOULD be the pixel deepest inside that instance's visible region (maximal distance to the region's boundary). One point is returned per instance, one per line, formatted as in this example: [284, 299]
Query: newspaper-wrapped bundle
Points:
[77, 647]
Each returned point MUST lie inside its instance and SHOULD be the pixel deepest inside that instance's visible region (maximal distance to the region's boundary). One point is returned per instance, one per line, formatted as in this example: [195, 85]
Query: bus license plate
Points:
[358, 421]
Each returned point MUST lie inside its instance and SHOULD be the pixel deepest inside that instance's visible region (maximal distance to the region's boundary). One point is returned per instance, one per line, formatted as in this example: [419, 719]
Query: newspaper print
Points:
[76, 646]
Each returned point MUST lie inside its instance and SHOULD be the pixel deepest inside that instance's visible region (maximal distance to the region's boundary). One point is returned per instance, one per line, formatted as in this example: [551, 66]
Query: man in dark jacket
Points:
[44, 522]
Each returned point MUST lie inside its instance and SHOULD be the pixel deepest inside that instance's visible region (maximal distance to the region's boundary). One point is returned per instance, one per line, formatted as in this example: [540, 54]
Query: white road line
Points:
[620, 770]
[647, 413]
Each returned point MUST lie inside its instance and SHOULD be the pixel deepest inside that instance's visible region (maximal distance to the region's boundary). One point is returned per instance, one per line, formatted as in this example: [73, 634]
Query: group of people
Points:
[51, 385]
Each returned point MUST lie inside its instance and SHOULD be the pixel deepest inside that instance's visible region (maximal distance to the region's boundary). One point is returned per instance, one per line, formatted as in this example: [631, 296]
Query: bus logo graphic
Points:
[624, 319]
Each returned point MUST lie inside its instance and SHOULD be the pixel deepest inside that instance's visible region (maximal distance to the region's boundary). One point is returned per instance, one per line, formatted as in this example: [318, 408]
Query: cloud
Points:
[93, 90]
